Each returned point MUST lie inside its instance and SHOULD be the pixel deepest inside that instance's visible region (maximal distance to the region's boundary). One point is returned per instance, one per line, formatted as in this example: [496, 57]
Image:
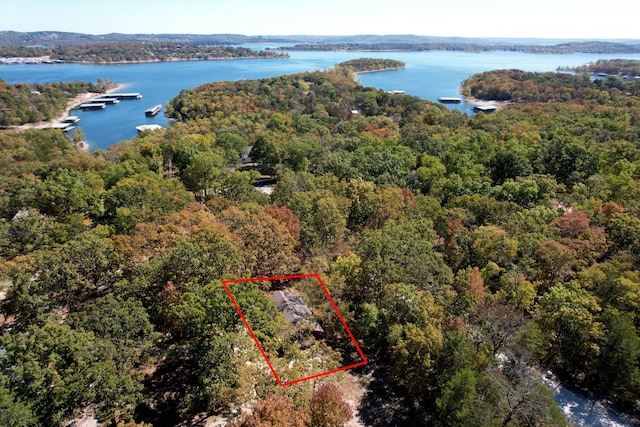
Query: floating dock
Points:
[93, 106]
[65, 127]
[152, 111]
[485, 108]
[71, 120]
[143, 128]
[450, 100]
[106, 100]
[127, 96]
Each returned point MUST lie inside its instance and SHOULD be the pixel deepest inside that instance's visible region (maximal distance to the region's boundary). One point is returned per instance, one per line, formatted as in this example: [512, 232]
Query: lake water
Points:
[428, 75]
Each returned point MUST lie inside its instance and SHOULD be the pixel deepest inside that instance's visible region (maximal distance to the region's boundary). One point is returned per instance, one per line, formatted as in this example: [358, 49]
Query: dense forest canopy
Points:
[106, 52]
[466, 254]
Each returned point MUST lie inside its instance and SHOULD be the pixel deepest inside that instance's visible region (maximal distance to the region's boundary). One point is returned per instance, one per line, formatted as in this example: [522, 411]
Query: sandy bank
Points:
[484, 103]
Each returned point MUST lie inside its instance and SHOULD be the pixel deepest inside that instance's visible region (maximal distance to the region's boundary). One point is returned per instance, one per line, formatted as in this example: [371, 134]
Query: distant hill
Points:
[58, 38]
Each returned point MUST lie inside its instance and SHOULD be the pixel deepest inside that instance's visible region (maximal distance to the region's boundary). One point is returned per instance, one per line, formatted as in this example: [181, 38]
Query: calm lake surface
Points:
[428, 75]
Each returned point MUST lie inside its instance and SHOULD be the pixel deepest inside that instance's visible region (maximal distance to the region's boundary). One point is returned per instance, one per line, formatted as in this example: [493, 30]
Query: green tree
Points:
[509, 163]
[206, 255]
[619, 371]
[415, 261]
[460, 404]
[124, 322]
[59, 370]
[568, 316]
[203, 172]
[14, 412]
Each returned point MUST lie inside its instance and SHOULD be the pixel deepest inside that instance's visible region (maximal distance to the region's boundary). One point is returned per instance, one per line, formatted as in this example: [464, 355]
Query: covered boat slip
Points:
[152, 111]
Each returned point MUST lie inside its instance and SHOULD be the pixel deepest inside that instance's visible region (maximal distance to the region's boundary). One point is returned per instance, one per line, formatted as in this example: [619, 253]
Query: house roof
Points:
[294, 309]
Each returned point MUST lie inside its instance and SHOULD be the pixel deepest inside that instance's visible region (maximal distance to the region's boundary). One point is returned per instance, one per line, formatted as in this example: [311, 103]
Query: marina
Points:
[429, 75]
[450, 100]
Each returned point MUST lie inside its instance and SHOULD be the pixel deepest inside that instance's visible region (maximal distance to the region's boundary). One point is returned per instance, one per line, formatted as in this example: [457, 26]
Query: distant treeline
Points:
[136, 52]
[61, 38]
[564, 48]
[21, 103]
[618, 67]
[371, 64]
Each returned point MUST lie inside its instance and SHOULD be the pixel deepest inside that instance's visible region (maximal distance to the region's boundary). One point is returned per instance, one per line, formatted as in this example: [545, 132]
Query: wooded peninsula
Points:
[563, 48]
[21, 103]
[123, 52]
[467, 254]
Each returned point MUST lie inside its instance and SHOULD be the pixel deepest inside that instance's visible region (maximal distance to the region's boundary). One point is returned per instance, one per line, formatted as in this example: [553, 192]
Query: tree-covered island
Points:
[468, 254]
[366, 65]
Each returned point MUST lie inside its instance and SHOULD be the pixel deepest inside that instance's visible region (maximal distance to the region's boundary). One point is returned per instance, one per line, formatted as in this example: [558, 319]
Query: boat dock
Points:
[485, 108]
[450, 100]
[152, 111]
[106, 100]
[143, 128]
[128, 96]
[71, 120]
[93, 106]
[65, 127]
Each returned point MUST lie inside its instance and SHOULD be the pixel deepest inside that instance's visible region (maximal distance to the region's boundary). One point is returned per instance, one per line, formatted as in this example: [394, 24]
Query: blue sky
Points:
[466, 18]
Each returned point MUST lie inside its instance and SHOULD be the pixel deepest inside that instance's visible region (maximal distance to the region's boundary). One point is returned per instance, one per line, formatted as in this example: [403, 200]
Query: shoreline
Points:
[379, 71]
[39, 61]
[72, 104]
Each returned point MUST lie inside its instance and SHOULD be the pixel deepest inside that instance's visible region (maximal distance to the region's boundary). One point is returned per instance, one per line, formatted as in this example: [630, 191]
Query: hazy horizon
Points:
[587, 20]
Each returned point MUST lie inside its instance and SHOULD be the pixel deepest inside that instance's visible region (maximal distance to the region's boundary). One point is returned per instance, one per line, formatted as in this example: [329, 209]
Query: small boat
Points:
[153, 110]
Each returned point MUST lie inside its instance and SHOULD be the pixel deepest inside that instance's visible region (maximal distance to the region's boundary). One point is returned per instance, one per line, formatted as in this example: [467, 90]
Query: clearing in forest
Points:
[317, 319]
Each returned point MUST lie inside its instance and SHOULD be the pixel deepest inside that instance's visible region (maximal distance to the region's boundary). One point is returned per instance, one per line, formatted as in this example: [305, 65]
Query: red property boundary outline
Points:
[264, 355]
